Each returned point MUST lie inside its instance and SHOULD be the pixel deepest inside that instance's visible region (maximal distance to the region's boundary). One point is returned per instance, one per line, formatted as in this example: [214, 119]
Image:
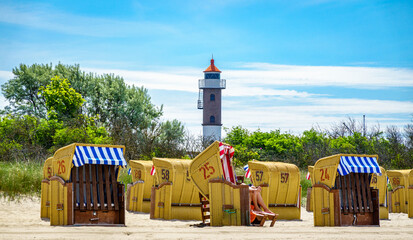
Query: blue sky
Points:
[289, 65]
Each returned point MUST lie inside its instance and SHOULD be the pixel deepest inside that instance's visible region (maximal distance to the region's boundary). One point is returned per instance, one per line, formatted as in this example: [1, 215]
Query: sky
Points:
[289, 65]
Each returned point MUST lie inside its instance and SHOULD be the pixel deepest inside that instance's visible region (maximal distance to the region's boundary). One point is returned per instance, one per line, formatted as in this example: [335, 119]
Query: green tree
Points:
[62, 101]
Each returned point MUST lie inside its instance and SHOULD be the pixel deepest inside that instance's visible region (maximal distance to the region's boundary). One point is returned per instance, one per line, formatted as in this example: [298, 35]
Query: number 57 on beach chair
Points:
[212, 172]
[84, 188]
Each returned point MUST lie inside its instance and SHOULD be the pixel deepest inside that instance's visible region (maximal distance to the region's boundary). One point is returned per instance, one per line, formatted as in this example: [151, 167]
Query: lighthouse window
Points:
[211, 75]
[212, 119]
[212, 97]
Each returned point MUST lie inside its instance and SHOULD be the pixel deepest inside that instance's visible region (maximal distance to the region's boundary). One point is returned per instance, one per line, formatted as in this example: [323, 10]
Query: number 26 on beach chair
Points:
[84, 188]
[342, 192]
[212, 172]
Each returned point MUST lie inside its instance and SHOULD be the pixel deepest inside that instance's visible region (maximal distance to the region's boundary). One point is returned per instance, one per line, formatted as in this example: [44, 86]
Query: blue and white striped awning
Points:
[98, 155]
[356, 164]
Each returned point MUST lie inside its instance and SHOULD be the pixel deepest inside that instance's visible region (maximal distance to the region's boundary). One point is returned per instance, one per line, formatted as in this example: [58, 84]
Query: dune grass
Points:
[20, 179]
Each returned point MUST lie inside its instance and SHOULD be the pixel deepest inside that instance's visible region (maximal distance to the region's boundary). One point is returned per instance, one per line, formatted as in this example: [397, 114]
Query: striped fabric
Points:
[98, 155]
[226, 153]
[356, 164]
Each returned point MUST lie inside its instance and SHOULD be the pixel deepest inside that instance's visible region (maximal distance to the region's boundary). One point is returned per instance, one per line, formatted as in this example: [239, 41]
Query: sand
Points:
[21, 220]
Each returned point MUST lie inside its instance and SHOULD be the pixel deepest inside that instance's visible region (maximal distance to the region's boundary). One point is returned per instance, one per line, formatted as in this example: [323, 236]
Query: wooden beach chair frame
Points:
[89, 194]
[228, 202]
[348, 199]
[176, 197]
[280, 187]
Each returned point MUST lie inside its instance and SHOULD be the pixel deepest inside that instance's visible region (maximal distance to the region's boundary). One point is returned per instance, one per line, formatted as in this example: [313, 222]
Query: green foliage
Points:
[62, 102]
[20, 178]
[60, 105]
[306, 149]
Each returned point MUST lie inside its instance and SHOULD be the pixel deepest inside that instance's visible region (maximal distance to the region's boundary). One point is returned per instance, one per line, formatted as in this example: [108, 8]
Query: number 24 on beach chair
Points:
[342, 192]
[84, 188]
[212, 172]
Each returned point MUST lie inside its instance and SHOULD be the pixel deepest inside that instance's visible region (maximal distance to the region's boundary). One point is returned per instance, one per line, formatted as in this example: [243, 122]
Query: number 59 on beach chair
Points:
[138, 197]
[399, 181]
[84, 188]
[45, 194]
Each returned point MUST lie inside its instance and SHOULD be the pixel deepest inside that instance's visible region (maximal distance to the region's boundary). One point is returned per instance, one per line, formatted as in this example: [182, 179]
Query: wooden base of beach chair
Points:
[205, 210]
[273, 219]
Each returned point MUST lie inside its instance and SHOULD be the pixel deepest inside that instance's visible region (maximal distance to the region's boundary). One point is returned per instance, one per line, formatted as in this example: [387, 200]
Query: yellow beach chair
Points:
[342, 193]
[138, 197]
[280, 184]
[399, 181]
[84, 188]
[45, 192]
[310, 196]
[176, 196]
[410, 195]
[213, 174]
[380, 183]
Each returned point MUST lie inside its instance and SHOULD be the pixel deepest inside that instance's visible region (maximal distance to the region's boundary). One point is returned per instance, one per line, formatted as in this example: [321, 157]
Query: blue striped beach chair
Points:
[85, 188]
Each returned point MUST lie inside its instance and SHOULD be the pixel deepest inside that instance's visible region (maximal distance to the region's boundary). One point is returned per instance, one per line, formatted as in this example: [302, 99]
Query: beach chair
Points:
[84, 188]
[310, 196]
[380, 183]
[399, 181]
[410, 195]
[342, 192]
[280, 184]
[45, 189]
[176, 196]
[138, 196]
[213, 174]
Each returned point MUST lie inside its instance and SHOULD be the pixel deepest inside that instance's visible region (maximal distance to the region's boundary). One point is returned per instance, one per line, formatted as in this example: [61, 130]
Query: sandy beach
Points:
[21, 220]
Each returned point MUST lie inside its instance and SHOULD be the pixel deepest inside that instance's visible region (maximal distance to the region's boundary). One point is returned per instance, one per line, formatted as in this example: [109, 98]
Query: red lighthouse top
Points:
[212, 67]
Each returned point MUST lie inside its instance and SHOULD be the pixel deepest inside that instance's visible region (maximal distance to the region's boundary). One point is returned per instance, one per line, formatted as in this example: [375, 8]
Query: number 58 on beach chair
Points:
[84, 188]
[342, 192]
[176, 197]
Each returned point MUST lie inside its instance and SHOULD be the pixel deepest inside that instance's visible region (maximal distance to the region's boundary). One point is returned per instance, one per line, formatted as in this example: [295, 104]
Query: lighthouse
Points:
[210, 102]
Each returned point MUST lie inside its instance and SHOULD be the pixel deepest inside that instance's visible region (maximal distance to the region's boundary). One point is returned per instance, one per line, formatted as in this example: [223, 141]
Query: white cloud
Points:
[261, 79]
[290, 75]
[5, 76]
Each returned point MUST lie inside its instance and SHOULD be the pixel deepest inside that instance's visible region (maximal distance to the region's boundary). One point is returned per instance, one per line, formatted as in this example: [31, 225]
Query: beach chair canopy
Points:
[358, 164]
[98, 155]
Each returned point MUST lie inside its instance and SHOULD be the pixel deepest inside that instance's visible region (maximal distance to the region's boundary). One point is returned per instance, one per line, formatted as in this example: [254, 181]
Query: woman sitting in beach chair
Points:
[212, 172]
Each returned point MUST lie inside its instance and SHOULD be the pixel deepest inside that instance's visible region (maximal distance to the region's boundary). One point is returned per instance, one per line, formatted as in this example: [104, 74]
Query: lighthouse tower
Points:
[210, 102]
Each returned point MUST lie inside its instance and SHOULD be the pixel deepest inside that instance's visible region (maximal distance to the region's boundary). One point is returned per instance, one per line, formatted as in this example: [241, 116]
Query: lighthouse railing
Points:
[212, 83]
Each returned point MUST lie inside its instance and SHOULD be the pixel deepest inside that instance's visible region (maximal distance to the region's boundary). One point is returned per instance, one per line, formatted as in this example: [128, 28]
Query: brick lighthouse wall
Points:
[212, 108]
